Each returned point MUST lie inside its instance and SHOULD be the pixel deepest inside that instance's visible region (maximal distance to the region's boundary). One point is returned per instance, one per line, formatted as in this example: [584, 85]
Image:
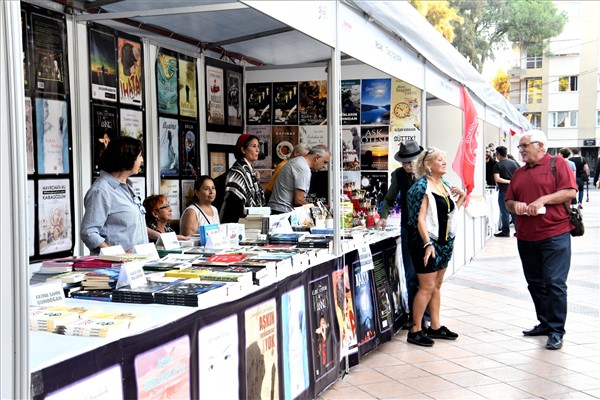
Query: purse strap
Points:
[553, 169]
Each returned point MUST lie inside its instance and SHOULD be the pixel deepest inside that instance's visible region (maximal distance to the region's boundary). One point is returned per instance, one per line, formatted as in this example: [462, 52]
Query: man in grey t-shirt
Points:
[294, 180]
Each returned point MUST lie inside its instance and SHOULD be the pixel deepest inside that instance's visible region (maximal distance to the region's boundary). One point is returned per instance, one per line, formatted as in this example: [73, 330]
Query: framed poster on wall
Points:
[224, 90]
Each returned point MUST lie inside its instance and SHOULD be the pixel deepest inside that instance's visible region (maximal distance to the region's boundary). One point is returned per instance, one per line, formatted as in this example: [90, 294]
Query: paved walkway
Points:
[488, 304]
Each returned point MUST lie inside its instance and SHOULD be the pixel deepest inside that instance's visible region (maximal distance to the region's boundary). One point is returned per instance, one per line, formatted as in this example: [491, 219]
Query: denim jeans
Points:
[504, 214]
[546, 265]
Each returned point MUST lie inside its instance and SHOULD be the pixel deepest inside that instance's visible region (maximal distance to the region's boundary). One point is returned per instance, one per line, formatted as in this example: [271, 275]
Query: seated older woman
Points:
[158, 216]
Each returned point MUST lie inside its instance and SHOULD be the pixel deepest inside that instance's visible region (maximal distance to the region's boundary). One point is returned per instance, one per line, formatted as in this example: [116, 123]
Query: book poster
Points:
[284, 140]
[351, 147]
[344, 310]
[49, 38]
[285, 103]
[166, 84]
[104, 129]
[170, 188]
[374, 147]
[350, 101]
[188, 96]
[234, 98]
[321, 327]
[375, 101]
[168, 146]
[351, 178]
[258, 104]
[132, 123]
[30, 218]
[189, 148]
[54, 216]
[187, 193]
[313, 135]
[138, 184]
[215, 103]
[103, 385]
[131, 80]
[383, 293]
[219, 360]
[375, 185]
[52, 125]
[164, 371]
[365, 317]
[406, 117]
[26, 55]
[29, 136]
[294, 333]
[397, 279]
[103, 65]
[313, 103]
[217, 161]
[265, 142]
[261, 351]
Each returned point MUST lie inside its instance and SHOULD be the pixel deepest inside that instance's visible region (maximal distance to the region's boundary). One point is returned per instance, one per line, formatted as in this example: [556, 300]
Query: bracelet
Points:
[430, 243]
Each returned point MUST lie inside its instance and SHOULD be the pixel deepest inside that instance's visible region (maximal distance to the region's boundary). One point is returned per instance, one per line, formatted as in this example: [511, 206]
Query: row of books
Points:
[83, 321]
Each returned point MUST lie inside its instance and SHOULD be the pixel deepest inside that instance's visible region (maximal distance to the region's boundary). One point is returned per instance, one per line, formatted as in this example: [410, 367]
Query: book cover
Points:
[29, 136]
[68, 277]
[323, 350]
[131, 70]
[103, 385]
[261, 324]
[312, 102]
[49, 41]
[351, 140]
[170, 188]
[218, 360]
[350, 90]
[169, 146]
[383, 293]
[55, 229]
[375, 101]
[258, 103]
[204, 231]
[132, 123]
[103, 65]
[188, 103]
[265, 142]
[227, 258]
[365, 317]
[285, 103]
[294, 343]
[52, 125]
[104, 128]
[313, 135]
[374, 148]
[234, 98]
[397, 279]
[189, 148]
[166, 83]
[217, 163]
[123, 257]
[215, 99]
[164, 371]
[285, 138]
[375, 185]
[344, 310]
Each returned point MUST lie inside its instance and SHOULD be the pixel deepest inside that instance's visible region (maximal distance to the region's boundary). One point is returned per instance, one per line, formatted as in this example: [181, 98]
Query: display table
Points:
[283, 340]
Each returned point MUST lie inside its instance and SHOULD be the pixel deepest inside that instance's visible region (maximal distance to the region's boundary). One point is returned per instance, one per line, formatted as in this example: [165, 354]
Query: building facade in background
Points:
[559, 91]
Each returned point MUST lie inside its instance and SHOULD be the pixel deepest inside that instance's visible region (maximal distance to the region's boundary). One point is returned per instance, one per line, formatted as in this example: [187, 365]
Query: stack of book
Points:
[88, 263]
[315, 241]
[142, 294]
[286, 238]
[71, 281]
[101, 279]
[45, 319]
[193, 294]
[58, 265]
[94, 327]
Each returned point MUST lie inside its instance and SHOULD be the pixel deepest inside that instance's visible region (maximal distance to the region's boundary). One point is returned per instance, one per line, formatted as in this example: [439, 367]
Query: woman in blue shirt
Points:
[114, 214]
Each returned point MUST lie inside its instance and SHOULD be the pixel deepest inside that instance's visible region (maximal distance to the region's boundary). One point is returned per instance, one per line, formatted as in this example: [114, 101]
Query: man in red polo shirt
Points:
[543, 239]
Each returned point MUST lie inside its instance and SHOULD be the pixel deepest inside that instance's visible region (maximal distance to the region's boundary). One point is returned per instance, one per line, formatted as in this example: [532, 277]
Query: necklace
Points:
[444, 194]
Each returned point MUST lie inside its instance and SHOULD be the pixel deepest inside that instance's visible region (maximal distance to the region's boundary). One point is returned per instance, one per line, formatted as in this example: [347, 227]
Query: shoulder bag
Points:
[574, 213]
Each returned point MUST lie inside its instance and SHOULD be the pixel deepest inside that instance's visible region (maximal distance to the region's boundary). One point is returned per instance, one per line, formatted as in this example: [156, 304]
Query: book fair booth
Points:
[187, 78]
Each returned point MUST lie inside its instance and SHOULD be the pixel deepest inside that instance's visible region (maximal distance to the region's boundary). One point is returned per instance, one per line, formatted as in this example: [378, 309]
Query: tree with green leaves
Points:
[480, 27]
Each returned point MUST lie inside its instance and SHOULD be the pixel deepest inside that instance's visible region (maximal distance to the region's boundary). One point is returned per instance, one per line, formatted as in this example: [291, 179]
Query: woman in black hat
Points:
[402, 179]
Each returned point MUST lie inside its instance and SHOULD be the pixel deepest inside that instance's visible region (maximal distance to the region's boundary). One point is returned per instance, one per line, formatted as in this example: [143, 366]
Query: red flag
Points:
[464, 161]
[512, 133]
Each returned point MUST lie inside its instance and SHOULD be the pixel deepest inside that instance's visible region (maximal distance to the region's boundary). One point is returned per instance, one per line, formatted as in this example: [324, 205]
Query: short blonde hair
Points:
[422, 167]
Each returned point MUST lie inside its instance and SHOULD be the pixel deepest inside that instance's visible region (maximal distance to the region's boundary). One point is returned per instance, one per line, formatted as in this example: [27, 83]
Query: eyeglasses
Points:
[138, 202]
[163, 207]
[526, 145]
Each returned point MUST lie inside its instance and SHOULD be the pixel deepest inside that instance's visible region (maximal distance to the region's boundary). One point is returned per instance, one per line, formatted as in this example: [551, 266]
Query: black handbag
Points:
[575, 215]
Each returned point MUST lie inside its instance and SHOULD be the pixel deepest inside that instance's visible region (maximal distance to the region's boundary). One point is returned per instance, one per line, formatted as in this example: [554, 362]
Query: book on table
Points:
[123, 257]
[193, 294]
[143, 294]
[226, 258]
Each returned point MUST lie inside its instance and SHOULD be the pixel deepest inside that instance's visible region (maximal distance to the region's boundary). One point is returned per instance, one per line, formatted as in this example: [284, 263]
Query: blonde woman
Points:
[432, 210]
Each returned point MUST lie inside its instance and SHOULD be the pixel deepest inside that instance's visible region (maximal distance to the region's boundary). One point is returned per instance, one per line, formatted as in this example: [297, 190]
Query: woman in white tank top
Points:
[201, 211]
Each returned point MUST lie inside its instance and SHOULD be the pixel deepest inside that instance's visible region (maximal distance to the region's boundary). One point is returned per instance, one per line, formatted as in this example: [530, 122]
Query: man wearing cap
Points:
[294, 179]
[402, 179]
